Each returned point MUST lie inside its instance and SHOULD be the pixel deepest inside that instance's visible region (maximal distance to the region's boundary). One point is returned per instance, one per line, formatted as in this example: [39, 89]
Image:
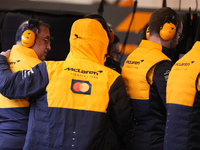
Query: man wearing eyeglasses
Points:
[41, 44]
[14, 113]
[145, 73]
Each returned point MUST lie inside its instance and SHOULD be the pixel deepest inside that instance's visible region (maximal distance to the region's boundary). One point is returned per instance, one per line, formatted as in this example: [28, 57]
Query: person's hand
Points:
[6, 53]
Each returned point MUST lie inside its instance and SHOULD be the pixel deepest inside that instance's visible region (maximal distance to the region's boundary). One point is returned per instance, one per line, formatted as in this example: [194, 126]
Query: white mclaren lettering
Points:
[26, 73]
[166, 74]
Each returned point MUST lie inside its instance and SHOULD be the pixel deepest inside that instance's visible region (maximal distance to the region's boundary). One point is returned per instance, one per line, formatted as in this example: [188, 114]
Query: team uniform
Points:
[145, 73]
[14, 112]
[79, 103]
[183, 103]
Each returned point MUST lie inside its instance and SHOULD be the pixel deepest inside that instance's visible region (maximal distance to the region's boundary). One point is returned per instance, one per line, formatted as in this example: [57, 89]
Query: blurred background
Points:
[128, 19]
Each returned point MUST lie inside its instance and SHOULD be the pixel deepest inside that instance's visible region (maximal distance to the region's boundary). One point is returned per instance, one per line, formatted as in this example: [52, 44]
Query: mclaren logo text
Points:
[134, 62]
[184, 64]
[13, 63]
[27, 73]
[83, 71]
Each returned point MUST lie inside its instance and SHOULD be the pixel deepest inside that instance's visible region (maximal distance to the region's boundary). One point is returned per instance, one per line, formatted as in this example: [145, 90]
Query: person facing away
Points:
[183, 103]
[14, 112]
[145, 74]
[79, 103]
[113, 55]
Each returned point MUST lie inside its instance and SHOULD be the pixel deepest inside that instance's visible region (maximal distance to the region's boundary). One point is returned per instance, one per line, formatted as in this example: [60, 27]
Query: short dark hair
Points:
[158, 18]
[20, 30]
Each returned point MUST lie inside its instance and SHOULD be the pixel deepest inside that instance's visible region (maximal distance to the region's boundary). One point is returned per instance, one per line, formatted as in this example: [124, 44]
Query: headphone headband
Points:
[32, 23]
[172, 17]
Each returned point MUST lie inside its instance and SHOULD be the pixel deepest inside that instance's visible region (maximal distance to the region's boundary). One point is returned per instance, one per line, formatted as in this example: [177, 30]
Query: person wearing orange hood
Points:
[79, 103]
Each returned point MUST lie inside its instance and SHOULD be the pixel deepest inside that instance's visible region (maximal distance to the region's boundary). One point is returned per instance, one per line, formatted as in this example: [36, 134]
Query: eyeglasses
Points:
[47, 41]
[180, 37]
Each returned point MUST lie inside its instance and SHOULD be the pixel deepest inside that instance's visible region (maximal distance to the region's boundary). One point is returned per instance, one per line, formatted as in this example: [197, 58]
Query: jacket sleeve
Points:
[160, 78]
[119, 107]
[24, 83]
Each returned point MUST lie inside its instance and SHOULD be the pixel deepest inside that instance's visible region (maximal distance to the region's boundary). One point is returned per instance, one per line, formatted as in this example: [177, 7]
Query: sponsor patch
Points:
[81, 87]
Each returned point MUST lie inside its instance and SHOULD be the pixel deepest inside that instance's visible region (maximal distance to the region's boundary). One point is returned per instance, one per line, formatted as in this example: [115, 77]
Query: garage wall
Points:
[150, 4]
[118, 17]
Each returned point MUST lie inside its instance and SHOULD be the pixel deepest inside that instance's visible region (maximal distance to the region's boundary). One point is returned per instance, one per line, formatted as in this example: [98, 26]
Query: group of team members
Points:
[79, 103]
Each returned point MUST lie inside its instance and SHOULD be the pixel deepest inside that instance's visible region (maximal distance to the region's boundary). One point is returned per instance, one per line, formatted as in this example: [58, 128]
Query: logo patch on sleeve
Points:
[81, 87]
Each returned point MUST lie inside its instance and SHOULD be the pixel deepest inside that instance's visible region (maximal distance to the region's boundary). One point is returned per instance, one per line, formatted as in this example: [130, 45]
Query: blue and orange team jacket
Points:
[14, 112]
[79, 103]
[183, 103]
[148, 107]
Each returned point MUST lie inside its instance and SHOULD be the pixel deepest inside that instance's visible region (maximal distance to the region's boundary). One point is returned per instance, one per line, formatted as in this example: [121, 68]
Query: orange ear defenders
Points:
[29, 35]
[168, 30]
[147, 34]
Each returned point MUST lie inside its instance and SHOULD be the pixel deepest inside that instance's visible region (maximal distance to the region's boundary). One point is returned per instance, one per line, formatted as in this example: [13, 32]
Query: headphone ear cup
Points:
[28, 38]
[167, 31]
[111, 36]
[147, 34]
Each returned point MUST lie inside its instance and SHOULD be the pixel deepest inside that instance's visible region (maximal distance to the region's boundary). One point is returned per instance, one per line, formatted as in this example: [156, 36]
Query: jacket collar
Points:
[27, 51]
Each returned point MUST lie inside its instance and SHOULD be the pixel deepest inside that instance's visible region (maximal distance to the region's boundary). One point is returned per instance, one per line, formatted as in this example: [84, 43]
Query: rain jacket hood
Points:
[76, 104]
[88, 40]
